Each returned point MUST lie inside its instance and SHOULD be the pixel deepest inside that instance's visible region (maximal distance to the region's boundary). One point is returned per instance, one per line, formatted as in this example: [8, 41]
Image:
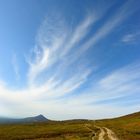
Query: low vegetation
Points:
[49, 130]
[126, 128]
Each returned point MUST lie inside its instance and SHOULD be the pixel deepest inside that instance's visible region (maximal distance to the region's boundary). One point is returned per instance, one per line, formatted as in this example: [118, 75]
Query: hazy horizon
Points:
[69, 59]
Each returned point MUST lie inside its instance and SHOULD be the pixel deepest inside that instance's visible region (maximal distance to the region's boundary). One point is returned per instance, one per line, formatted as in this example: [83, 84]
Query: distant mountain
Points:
[39, 118]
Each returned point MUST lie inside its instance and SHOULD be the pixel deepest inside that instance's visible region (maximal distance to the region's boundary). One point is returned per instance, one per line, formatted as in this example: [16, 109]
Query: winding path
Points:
[104, 131]
[111, 135]
[101, 134]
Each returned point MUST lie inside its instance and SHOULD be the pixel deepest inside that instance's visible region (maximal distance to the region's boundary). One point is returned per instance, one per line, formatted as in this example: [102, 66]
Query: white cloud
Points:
[55, 38]
[131, 38]
[124, 12]
[121, 83]
[80, 32]
[56, 49]
[63, 76]
[128, 38]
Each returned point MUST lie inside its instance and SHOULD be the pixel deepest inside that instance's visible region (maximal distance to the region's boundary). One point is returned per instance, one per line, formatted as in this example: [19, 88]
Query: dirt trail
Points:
[108, 133]
[93, 134]
[104, 132]
[111, 135]
[101, 134]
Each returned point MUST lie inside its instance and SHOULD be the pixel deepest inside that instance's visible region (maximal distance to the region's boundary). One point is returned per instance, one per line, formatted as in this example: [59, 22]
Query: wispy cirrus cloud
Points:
[115, 20]
[120, 15]
[57, 44]
[54, 37]
[119, 84]
[131, 38]
[117, 89]
[57, 71]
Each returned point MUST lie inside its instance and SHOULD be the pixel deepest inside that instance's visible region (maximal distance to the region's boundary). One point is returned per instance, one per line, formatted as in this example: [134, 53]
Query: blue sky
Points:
[69, 59]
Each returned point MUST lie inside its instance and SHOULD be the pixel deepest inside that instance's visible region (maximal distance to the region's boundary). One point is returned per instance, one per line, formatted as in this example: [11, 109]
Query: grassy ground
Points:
[50, 131]
[126, 128]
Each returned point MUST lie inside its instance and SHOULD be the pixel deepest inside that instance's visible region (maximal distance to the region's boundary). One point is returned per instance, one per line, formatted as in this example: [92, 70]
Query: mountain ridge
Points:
[41, 118]
[38, 118]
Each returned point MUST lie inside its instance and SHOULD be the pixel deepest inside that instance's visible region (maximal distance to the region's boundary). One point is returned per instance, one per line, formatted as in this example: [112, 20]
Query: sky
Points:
[69, 59]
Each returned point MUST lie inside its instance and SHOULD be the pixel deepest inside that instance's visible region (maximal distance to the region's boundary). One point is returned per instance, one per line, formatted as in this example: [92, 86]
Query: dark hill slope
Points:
[39, 118]
[131, 116]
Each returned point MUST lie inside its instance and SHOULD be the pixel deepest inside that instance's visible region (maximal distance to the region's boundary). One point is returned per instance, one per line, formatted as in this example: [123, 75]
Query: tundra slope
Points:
[126, 128]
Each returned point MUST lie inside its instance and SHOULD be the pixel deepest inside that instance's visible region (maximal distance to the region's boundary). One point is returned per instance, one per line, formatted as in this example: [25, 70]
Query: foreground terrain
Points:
[123, 128]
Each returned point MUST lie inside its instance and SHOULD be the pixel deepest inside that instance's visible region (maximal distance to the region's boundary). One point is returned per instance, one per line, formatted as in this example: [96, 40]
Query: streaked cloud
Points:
[115, 20]
[58, 71]
[131, 38]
